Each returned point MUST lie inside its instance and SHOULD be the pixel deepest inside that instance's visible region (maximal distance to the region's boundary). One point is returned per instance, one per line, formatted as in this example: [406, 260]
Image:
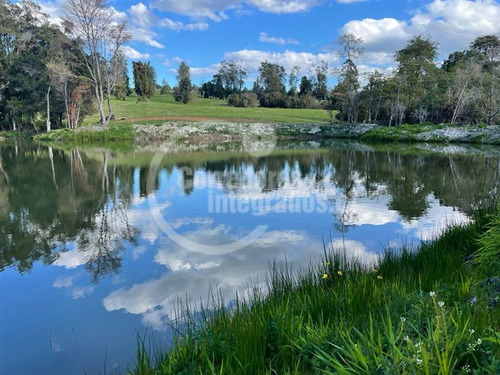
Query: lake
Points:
[99, 243]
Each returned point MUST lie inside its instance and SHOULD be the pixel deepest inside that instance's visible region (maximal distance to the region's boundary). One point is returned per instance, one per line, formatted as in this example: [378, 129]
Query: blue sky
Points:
[204, 32]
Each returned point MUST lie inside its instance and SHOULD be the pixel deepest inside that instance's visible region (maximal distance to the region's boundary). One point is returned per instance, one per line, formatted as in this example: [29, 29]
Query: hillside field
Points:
[164, 107]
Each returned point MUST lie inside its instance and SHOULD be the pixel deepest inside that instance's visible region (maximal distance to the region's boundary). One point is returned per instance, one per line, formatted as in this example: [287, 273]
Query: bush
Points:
[245, 100]
[309, 101]
[234, 100]
[293, 101]
[273, 100]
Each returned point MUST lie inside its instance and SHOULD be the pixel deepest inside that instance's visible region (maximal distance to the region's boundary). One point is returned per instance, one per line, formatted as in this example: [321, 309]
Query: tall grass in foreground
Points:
[414, 312]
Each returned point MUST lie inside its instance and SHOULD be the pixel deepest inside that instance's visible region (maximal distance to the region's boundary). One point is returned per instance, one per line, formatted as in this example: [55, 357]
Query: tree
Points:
[372, 96]
[122, 88]
[489, 48]
[26, 38]
[272, 77]
[184, 86]
[306, 86]
[165, 87]
[233, 75]
[144, 79]
[319, 79]
[69, 78]
[463, 88]
[91, 21]
[417, 69]
[346, 93]
[293, 80]
[271, 80]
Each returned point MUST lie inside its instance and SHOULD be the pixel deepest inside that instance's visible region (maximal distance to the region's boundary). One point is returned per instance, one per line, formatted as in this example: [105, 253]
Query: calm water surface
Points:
[88, 259]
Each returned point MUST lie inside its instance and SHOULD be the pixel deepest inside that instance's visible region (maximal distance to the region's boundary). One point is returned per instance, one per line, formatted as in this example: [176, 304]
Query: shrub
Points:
[309, 101]
[234, 100]
[245, 100]
[273, 99]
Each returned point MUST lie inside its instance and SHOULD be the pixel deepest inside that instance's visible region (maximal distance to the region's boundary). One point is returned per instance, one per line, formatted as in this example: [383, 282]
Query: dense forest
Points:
[52, 76]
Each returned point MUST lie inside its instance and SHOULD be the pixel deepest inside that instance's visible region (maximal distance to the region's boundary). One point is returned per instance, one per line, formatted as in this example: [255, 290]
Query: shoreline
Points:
[406, 311]
[222, 131]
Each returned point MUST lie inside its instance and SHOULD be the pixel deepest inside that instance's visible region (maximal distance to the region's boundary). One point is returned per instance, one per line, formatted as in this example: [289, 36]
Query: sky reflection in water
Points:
[85, 265]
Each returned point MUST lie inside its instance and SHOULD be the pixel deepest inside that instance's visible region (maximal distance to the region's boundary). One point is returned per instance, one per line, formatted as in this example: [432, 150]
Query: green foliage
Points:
[305, 86]
[26, 40]
[232, 75]
[144, 80]
[320, 80]
[244, 100]
[122, 89]
[113, 132]
[270, 87]
[14, 134]
[488, 255]
[412, 312]
[182, 93]
[165, 88]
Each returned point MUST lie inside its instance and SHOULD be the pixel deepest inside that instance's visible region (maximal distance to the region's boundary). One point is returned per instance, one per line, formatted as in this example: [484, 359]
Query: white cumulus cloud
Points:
[453, 24]
[134, 54]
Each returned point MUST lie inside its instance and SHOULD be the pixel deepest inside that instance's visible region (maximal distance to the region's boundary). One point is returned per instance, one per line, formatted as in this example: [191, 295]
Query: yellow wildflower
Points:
[328, 264]
[379, 277]
[325, 276]
[339, 273]
[375, 270]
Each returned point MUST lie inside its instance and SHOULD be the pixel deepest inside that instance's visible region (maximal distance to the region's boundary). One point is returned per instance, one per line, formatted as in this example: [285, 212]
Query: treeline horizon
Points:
[53, 77]
[465, 88]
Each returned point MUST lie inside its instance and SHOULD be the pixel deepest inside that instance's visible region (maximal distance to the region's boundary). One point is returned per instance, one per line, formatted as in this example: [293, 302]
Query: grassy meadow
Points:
[432, 310]
[161, 107]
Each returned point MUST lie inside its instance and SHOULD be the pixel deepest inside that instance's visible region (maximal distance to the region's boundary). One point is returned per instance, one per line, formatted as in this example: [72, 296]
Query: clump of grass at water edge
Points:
[432, 310]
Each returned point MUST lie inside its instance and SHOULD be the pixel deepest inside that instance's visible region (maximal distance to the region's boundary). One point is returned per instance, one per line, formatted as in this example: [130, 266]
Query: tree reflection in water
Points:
[56, 200]
[53, 203]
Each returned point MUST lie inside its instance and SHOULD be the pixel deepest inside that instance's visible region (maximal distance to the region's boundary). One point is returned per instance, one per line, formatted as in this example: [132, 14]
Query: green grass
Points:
[414, 312]
[165, 106]
[405, 132]
[115, 132]
[15, 134]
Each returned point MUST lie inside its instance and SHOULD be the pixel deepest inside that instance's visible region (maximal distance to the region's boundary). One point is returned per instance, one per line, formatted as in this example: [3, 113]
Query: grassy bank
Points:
[224, 131]
[431, 311]
[113, 132]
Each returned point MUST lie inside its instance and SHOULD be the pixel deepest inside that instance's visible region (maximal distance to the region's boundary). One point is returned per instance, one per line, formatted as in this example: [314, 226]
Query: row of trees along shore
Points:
[465, 88]
[53, 76]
